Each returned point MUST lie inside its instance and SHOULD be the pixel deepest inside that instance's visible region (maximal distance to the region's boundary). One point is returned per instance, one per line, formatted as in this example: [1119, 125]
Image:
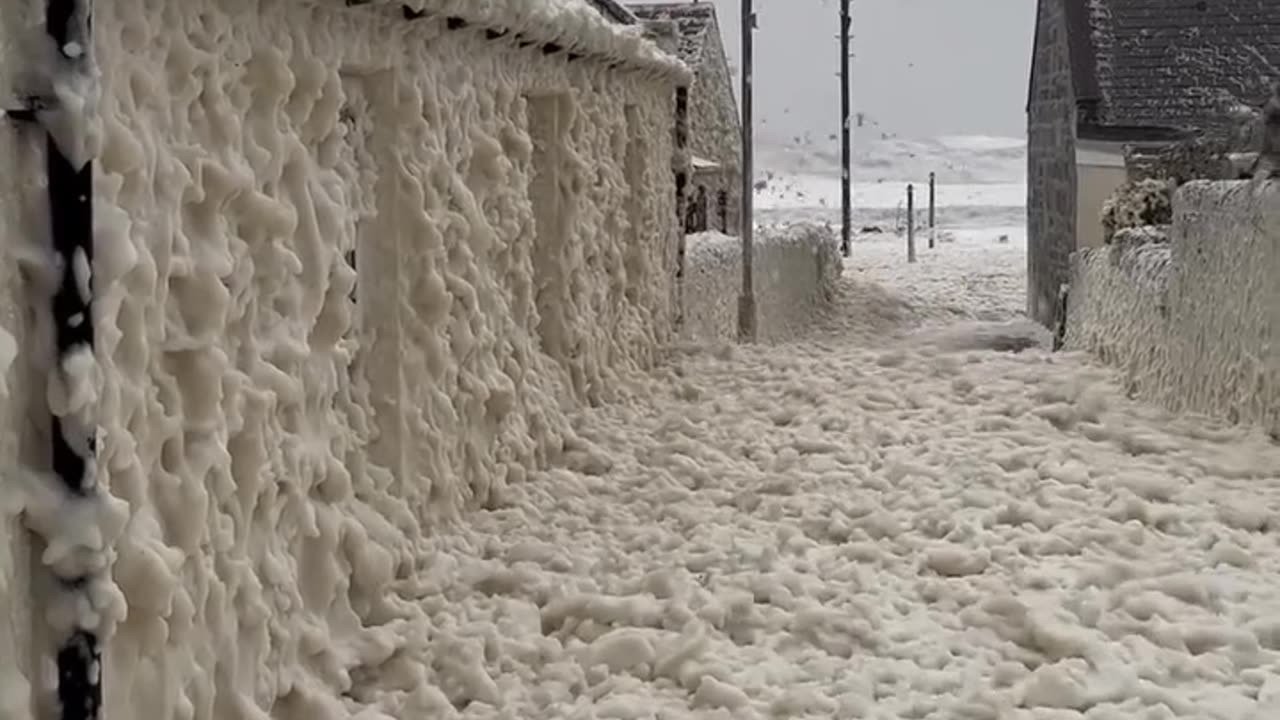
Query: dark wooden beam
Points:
[70, 188]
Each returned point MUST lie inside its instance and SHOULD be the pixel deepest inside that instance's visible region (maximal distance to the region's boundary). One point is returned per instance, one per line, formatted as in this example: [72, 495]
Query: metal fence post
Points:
[911, 223]
[932, 197]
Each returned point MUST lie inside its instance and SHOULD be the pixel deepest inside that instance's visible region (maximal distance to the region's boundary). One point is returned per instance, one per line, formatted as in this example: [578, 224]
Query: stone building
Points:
[713, 196]
[1112, 74]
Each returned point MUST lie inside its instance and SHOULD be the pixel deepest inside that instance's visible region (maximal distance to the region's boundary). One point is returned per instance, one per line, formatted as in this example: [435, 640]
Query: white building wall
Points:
[287, 453]
[1100, 171]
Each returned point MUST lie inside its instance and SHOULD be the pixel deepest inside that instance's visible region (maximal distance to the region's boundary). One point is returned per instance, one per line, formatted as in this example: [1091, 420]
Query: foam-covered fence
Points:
[795, 272]
[1195, 321]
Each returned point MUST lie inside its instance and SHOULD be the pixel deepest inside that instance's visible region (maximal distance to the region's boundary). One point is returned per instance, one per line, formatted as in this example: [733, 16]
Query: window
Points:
[682, 118]
[696, 213]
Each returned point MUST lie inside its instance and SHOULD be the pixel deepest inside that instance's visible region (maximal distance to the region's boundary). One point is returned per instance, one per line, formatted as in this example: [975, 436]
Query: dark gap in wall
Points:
[682, 118]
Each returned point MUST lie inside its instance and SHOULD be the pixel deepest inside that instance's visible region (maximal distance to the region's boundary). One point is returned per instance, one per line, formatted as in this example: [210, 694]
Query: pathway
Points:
[890, 520]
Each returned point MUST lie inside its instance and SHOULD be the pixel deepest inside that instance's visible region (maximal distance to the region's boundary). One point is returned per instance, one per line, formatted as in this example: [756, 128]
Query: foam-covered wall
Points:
[1194, 322]
[503, 219]
[1226, 258]
[1118, 308]
[795, 272]
[24, 418]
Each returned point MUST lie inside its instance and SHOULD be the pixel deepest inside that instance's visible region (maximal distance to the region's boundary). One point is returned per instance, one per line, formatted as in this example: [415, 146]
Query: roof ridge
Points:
[693, 21]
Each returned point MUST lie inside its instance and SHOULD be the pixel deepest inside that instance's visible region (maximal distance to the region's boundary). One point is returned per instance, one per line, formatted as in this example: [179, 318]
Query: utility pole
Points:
[846, 150]
[747, 300]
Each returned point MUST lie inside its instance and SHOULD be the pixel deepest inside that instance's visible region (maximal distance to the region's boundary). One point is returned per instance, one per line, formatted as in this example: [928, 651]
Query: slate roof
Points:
[1171, 64]
[694, 21]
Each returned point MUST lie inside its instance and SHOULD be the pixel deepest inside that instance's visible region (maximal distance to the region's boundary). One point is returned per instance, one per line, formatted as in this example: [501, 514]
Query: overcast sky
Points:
[923, 68]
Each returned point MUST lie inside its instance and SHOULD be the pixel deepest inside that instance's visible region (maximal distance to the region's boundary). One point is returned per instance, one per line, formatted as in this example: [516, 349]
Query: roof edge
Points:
[576, 30]
[613, 10]
[1035, 50]
[1130, 133]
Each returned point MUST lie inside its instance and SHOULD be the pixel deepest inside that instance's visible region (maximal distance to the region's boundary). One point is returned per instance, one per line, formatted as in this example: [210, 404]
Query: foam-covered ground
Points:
[890, 520]
[970, 274]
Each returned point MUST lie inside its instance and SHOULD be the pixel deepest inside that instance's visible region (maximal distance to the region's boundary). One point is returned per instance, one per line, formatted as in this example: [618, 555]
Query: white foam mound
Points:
[795, 269]
[286, 454]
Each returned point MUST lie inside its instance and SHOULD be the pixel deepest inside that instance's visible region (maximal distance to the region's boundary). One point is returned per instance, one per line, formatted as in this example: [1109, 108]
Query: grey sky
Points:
[924, 68]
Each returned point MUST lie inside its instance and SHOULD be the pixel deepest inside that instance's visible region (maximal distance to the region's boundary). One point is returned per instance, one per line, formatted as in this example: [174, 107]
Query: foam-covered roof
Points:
[614, 10]
[577, 26]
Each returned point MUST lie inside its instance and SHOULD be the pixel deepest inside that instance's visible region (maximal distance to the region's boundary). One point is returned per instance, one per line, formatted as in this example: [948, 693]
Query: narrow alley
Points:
[887, 520]
[591, 360]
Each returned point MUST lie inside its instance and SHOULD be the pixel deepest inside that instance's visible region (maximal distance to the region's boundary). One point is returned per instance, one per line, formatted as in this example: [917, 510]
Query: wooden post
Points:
[846, 143]
[747, 299]
[911, 223]
[932, 198]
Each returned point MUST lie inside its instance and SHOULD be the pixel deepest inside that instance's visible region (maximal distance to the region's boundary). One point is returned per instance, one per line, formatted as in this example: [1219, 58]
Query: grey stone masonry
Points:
[715, 130]
[692, 32]
[1173, 63]
[1051, 168]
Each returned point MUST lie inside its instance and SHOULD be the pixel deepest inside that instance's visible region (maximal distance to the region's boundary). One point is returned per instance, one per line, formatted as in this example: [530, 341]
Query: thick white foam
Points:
[286, 455]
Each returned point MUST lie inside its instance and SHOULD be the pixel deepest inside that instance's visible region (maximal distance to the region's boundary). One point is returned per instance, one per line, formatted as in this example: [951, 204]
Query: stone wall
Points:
[796, 269]
[1118, 308]
[1051, 168]
[1193, 322]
